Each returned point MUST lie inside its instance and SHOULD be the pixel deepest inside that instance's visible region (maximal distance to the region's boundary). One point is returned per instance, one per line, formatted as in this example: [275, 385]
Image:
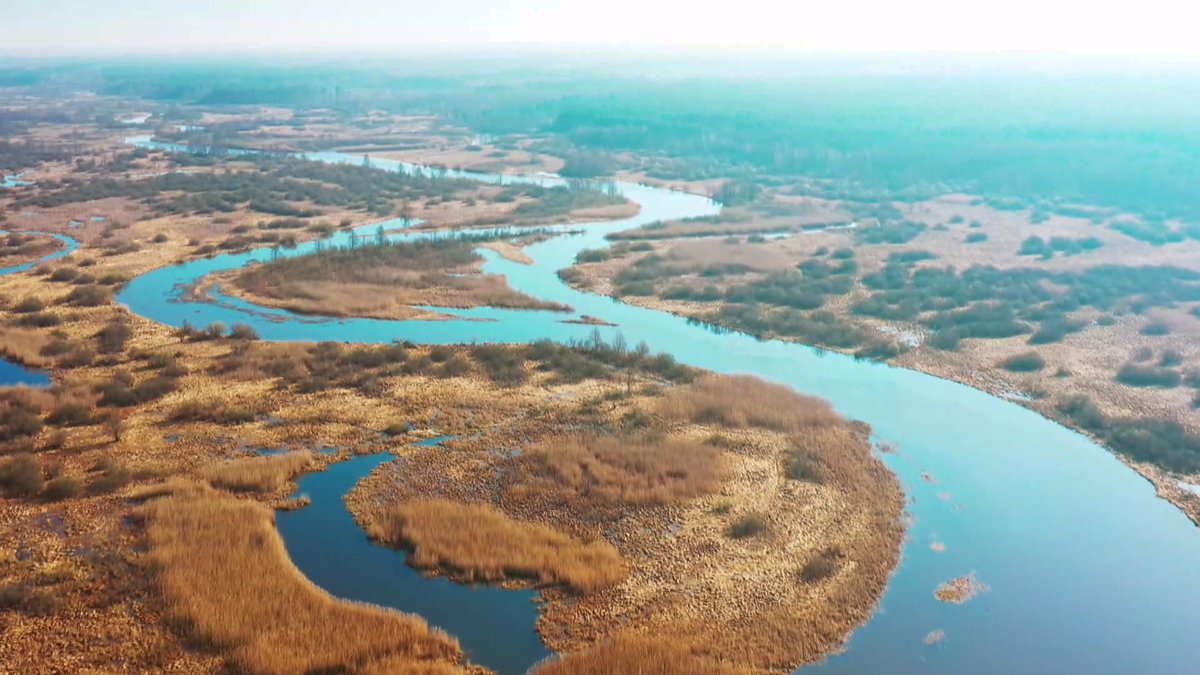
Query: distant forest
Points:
[1119, 141]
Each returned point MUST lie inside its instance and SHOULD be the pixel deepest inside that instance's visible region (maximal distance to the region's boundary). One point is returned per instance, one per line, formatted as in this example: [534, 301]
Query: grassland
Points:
[382, 280]
[706, 456]
[267, 617]
[480, 543]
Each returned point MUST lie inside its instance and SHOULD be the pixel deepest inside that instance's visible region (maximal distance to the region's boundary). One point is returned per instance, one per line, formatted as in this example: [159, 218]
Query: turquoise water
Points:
[14, 373]
[12, 181]
[69, 245]
[1089, 572]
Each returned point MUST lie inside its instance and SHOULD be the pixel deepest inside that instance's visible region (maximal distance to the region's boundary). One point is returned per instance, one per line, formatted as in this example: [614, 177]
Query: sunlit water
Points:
[1089, 572]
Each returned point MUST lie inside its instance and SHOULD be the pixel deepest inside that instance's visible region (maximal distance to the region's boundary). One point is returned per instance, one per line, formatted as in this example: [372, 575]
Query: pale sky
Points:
[1138, 27]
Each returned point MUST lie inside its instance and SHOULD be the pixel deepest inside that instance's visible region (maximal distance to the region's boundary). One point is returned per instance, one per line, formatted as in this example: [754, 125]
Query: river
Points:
[1088, 571]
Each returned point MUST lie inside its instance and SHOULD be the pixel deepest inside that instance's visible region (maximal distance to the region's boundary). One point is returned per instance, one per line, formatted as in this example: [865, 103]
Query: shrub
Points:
[114, 336]
[441, 353]
[801, 466]
[29, 304]
[63, 487]
[243, 331]
[89, 296]
[64, 274]
[21, 476]
[70, 414]
[843, 253]
[40, 320]
[1106, 320]
[396, 429]
[160, 238]
[749, 525]
[456, 366]
[1155, 328]
[29, 600]
[821, 566]
[213, 330]
[113, 476]
[1135, 375]
[592, 255]
[976, 237]
[1024, 363]
[1170, 358]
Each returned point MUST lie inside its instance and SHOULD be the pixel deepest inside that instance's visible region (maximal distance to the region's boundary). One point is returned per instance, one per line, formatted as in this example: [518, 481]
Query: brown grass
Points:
[226, 578]
[24, 345]
[258, 474]
[481, 543]
[632, 655]
[741, 401]
[632, 470]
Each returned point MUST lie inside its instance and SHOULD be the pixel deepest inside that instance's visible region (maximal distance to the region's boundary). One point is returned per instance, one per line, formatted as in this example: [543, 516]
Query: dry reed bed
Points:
[479, 543]
[712, 454]
[225, 575]
[258, 474]
[627, 654]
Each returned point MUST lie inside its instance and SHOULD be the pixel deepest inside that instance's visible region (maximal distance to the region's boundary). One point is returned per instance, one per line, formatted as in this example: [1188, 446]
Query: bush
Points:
[1170, 358]
[89, 296]
[114, 336]
[843, 253]
[63, 487]
[40, 320]
[70, 415]
[456, 366]
[213, 330]
[976, 237]
[29, 304]
[1156, 328]
[243, 331]
[160, 238]
[112, 477]
[21, 476]
[801, 466]
[592, 255]
[1135, 375]
[749, 525]
[441, 353]
[64, 274]
[1024, 363]
[821, 566]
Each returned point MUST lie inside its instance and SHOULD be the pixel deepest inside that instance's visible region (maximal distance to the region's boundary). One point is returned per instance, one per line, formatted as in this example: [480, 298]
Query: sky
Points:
[1159, 29]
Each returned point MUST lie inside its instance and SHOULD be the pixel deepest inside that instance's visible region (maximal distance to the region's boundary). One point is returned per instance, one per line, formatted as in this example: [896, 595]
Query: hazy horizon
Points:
[1159, 30]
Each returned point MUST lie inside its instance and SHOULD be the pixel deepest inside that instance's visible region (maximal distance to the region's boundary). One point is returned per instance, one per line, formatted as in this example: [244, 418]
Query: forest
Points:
[1043, 140]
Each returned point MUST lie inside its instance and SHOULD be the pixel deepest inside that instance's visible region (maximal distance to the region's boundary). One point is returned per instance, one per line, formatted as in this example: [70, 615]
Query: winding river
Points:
[1088, 571]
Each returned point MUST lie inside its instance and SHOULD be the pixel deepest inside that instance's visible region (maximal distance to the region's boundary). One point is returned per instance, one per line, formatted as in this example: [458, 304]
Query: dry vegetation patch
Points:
[269, 618]
[259, 474]
[479, 542]
[383, 280]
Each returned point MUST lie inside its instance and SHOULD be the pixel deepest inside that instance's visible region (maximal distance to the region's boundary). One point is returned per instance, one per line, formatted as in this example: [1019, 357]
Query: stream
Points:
[1088, 571]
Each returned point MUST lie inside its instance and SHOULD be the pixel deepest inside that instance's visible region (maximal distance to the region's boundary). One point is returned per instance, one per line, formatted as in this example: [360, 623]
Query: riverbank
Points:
[746, 569]
[1088, 361]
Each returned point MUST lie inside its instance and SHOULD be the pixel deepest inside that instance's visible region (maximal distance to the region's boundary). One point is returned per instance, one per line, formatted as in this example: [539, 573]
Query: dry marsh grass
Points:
[481, 543]
[633, 655]
[741, 401]
[265, 616]
[634, 470]
[25, 345]
[258, 474]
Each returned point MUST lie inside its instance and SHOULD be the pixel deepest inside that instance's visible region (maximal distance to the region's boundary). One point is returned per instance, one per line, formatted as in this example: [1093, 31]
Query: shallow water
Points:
[494, 625]
[14, 373]
[1089, 572]
[69, 245]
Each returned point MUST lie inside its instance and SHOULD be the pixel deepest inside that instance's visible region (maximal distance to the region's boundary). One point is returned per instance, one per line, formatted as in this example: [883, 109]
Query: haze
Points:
[56, 27]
